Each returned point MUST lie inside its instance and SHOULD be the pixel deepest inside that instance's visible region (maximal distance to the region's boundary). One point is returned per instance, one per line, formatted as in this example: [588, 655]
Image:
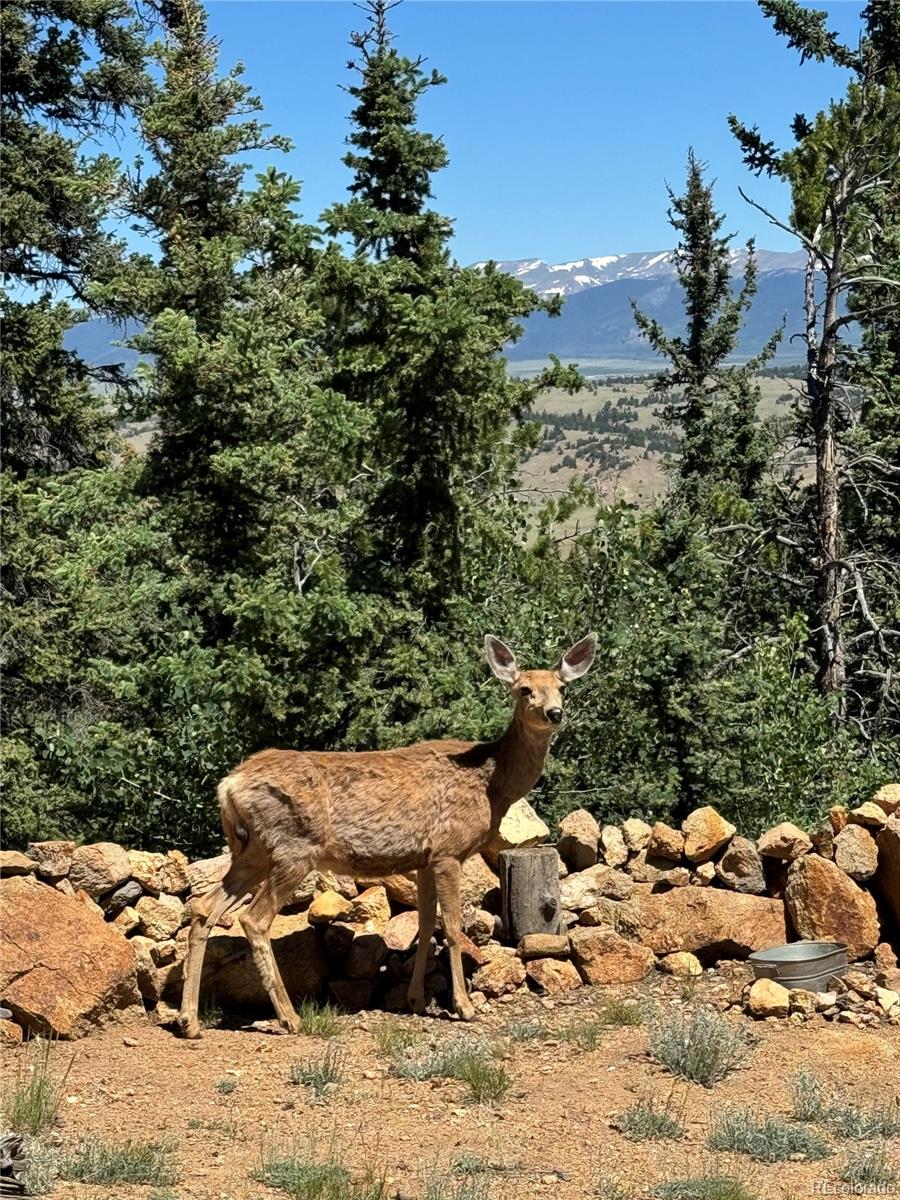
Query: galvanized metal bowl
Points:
[801, 964]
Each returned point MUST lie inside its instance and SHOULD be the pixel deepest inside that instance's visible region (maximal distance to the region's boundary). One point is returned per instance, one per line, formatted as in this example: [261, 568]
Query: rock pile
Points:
[89, 933]
[858, 997]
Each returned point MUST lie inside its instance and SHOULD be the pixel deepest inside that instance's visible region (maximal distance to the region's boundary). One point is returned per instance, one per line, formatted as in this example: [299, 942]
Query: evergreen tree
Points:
[415, 340]
[70, 72]
[721, 441]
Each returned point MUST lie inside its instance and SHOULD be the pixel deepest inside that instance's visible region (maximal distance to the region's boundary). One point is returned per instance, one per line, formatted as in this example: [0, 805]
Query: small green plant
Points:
[583, 1033]
[487, 1081]
[609, 1188]
[644, 1121]
[318, 1020]
[868, 1165]
[702, 1047]
[161, 1194]
[32, 1103]
[862, 1124]
[473, 1164]
[616, 1011]
[320, 1075]
[765, 1138]
[463, 1058]
[305, 1177]
[122, 1162]
[210, 1013]
[852, 1121]
[395, 1040]
[40, 1167]
[469, 1187]
[526, 1031]
[703, 1187]
[808, 1096]
[226, 1085]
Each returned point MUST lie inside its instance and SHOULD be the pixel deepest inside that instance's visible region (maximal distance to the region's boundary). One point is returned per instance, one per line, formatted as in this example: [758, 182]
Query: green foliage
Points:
[646, 1121]
[95, 1161]
[320, 1075]
[765, 1138]
[703, 1187]
[869, 1165]
[306, 1176]
[701, 1046]
[32, 1097]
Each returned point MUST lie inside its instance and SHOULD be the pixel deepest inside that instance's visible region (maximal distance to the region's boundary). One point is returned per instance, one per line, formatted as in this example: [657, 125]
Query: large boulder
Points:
[741, 869]
[887, 798]
[586, 888]
[205, 873]
[856, 852]
[705, 833]
[14, 862]
[665, 842]
[161, 916]
[785, 841]
[53, 858]
[612, 846]
[579, 834]
[503, 973]
[636, 834]
[826, 905]
[158, 873]
[709, 922]
[98, 868]
[869, 814]
[604, 956]
[230, 974]
[479, 886]
[63, 970]
[521, 826]
[887, 880]
[552, 976]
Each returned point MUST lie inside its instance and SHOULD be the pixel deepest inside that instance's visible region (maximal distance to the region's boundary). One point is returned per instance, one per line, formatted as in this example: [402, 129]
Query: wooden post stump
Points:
[529, 891]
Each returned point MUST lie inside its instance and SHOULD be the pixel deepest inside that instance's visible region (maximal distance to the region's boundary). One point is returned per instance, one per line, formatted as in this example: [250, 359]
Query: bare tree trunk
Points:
[820, 382]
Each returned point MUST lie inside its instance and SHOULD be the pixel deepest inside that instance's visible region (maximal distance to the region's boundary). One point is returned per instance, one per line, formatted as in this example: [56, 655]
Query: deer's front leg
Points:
[447, 875]
[427, 901]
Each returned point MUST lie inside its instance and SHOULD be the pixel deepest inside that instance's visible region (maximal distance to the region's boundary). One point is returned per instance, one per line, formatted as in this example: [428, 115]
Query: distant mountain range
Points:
[567, 279]
[596, 322]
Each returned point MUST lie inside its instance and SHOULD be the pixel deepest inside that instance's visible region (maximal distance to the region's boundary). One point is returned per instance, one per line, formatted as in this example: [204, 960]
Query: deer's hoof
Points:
[289, 1024]
[466, 1011]
[190, 1027]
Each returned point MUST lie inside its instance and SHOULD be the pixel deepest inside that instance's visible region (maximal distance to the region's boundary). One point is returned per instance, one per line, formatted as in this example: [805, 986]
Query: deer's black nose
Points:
[555, 715]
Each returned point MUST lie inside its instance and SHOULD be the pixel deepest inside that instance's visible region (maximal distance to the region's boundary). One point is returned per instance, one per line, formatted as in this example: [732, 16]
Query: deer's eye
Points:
[525, 691]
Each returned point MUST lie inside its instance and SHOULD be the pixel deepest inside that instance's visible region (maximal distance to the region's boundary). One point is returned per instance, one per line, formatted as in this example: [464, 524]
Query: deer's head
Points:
[539, 694]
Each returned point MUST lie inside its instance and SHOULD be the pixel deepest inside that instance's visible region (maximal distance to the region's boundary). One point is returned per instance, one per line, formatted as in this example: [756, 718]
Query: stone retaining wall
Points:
[89, 933]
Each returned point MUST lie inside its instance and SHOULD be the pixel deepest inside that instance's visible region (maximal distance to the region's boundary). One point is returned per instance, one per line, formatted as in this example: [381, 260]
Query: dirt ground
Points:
[552, 1133]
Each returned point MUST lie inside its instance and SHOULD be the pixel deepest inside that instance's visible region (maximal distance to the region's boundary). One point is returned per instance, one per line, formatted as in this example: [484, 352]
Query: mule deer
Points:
[425, 807]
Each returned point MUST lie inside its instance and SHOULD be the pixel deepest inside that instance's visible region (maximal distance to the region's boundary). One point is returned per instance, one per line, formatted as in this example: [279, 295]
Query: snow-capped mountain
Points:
[567, 279]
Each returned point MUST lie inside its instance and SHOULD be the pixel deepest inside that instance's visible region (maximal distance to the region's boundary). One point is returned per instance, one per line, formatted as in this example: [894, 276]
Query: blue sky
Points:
[562, 119]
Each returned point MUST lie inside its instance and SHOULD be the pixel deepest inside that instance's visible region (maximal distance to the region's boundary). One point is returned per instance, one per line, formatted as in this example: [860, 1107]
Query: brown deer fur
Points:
[425, 807]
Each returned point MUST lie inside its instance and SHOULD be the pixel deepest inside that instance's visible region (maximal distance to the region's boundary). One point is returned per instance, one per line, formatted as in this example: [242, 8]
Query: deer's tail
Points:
[236, 832]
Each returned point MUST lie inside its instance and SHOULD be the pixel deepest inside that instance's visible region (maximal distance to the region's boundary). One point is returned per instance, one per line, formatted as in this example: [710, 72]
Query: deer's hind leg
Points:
[240, 879]
[257, 921]
[447, 876]
[427, 904]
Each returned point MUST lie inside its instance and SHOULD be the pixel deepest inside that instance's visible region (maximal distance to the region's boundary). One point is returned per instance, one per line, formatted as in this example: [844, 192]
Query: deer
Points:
[424, 808]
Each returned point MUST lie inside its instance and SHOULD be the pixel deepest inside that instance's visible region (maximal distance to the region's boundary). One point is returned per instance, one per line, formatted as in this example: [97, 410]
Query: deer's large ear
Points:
[501, 659]
[577, 661]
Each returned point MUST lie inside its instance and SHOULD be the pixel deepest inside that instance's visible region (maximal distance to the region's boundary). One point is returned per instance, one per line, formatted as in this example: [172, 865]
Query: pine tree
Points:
[415, 340]
[721, 442]
[70, 72]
